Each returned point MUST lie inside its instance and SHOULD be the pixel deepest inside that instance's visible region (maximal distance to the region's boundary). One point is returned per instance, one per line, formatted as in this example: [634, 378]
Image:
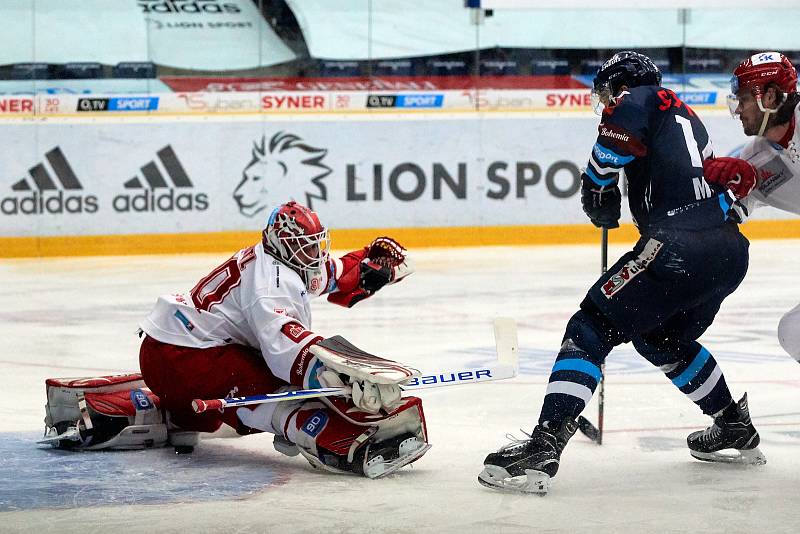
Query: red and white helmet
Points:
[758, 71]
[295, 236]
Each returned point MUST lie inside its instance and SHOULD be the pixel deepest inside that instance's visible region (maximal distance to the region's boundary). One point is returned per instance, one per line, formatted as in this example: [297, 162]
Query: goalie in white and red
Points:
[245, 329]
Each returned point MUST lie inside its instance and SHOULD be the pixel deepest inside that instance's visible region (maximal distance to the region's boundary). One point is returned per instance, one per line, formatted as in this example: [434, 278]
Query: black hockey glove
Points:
[601, 203]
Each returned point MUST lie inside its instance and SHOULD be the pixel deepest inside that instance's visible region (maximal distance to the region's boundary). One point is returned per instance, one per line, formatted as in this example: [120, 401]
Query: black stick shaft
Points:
[601, 395]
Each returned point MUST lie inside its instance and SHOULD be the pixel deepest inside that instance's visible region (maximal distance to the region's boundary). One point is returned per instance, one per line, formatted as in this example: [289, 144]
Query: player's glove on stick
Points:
[735, 174]
[601, 203]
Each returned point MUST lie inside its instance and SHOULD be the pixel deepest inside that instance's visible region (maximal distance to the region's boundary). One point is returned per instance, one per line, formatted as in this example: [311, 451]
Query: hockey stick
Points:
[595, 433]
[505, 333]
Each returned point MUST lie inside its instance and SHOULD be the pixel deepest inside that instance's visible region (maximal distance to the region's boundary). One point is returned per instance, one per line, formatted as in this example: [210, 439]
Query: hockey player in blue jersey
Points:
[663, 294]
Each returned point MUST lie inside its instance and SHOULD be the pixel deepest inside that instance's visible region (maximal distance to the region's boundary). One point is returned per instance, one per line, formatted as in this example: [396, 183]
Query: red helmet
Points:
[758, 70]
[295, 236]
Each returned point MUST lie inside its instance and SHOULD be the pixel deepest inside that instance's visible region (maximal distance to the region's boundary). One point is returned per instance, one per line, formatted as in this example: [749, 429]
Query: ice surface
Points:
[77, 317]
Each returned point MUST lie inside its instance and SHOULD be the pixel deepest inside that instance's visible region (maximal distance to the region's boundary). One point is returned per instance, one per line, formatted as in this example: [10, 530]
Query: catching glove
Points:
[601, 203]
[387, 262]
[383, 262]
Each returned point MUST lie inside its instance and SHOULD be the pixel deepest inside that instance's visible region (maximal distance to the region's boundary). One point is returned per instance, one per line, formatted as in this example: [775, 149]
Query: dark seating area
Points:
[555, 66]
[340, 69]
[80, 71]
[394, 67]
[447, 67]
[29, 71]
[133, 70]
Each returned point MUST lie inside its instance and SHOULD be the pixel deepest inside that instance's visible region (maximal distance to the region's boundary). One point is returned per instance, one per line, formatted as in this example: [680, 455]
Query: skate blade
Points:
[378, 468]
[535, 482]
[53, 439]
[732, 456]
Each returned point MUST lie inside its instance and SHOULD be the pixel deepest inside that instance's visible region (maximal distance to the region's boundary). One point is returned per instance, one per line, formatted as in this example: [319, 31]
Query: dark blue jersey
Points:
[661, 144]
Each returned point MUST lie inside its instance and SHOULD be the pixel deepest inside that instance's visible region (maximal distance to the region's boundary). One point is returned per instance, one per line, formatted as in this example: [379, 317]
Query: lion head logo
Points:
[277, 170]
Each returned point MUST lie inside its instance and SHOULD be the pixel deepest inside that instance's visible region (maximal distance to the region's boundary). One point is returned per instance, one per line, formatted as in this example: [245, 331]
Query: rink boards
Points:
[200, 183]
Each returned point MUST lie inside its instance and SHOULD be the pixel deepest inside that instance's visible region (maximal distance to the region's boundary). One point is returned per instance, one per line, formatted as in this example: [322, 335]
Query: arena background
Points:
[180, 123]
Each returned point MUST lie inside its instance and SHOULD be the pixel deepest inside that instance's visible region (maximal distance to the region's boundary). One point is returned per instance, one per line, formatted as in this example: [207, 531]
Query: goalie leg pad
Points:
[334, 437]
[109, 412]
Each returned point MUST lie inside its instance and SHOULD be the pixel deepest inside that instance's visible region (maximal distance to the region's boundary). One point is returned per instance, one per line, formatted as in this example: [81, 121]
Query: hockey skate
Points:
[732, 432]
[527, 465]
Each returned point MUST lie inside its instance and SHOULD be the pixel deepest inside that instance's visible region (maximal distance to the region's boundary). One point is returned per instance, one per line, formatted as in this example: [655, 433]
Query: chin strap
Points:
[767, 113]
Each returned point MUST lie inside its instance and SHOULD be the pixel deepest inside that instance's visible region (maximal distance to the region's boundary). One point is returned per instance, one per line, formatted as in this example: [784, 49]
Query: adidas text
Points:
[186, 6]
[37, 203]
[152, 201]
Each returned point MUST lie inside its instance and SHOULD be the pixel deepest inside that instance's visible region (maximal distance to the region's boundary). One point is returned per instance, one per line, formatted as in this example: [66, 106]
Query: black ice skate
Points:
[527, 465]
[732, 432]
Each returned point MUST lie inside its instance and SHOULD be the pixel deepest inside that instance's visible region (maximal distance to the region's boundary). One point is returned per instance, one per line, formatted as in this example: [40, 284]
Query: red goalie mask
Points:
[295, 236]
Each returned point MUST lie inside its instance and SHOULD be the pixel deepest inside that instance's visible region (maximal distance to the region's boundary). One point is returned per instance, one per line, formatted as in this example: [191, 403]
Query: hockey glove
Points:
[735, 174]
[387, 253]
[738, 212]
[601, 203]
[383, 262]
[367, 396]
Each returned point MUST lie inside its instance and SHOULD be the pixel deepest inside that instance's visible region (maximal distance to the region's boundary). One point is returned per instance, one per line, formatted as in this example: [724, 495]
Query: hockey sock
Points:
[700, 378]
[574, 377]
[576, 371]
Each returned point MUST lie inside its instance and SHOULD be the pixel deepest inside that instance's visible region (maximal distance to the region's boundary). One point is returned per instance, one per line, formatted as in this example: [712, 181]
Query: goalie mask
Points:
[758, 72]
[626, 68]
[295, 236]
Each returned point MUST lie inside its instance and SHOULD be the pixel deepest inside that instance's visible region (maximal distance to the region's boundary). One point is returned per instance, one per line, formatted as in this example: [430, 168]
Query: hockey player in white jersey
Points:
[764, 98]
[245, 329]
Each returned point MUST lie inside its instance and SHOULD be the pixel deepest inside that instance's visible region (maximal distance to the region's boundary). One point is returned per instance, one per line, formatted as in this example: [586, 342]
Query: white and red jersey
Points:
[252, 299]
[778, 167]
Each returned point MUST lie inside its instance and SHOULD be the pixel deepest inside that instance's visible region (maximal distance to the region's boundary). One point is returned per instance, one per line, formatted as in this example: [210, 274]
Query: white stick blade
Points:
[505, 338]
[457, 377]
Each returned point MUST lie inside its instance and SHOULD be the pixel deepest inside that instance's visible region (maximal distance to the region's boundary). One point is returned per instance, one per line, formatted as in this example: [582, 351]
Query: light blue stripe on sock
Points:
[582, 366]
[686, 376]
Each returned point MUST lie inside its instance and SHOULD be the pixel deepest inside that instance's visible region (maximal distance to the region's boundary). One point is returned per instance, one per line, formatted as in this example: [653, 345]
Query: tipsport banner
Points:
[134, 178]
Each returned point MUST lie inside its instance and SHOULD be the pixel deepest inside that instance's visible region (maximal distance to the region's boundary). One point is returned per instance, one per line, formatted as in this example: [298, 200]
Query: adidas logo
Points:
[158, 194]
[39, 193]
[188, 6]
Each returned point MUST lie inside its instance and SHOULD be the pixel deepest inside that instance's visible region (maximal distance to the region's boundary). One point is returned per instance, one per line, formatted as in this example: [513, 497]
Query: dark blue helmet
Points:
[631, 69]
[626, 68]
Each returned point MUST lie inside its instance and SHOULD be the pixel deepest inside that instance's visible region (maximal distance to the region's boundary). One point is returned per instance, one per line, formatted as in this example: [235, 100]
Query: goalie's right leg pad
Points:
[335, 437]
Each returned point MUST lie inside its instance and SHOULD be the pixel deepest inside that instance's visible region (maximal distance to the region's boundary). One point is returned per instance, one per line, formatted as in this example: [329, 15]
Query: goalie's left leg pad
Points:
[108, 412]
[335, 436]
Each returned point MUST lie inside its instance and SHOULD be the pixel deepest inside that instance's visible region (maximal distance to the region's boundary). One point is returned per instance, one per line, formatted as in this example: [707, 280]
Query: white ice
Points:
[77, 317]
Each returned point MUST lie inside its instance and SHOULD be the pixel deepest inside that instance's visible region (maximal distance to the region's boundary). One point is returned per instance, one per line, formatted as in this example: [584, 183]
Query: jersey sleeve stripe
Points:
[302, 363]
[590, 173]
[600, 169]
[609, 157]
